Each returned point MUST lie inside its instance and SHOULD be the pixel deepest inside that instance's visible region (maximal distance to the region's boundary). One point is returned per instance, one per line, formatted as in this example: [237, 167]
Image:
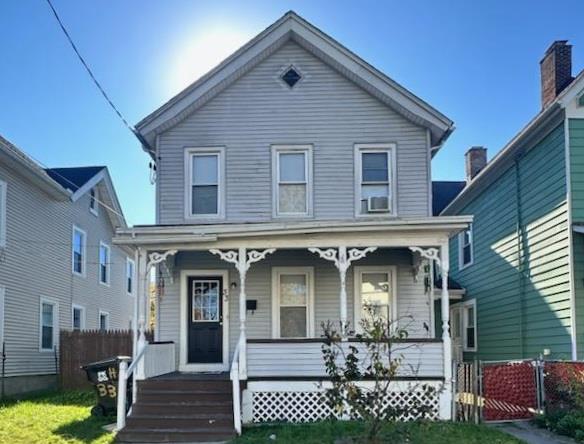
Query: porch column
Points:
[446, 405]
[242, 261]
[342, 261]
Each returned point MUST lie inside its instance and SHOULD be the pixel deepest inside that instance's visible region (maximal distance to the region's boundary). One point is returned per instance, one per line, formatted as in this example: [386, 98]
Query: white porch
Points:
[253, 349]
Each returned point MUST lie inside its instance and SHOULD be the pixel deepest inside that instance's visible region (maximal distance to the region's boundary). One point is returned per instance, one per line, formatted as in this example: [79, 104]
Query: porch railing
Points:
[124, 374]
[235, 375]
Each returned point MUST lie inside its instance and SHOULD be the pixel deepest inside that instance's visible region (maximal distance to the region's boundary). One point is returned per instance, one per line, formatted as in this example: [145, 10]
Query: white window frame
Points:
[84, 252]
[132, 277]
[464, 308]
[308, 172]
[276, 273]
[82, 317]
[219, 151]
[3, 207]
[391, 149]
[357, 303]
[2, 309]
[461, 264]
[94, 201]
[107, 322]
[108, 264]
[55, 304]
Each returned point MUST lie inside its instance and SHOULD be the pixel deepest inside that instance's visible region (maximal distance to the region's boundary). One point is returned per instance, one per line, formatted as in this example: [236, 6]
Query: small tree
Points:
[376, 361]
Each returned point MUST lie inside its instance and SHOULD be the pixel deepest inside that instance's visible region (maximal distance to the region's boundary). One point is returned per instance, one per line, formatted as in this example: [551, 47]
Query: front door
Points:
[205, 325]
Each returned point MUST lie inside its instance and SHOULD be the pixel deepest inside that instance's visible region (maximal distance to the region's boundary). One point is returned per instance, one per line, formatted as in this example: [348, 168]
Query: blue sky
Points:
[478, 63]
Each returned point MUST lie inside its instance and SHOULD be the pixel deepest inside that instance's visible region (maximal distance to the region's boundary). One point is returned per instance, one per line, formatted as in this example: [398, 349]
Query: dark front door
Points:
[205, 323]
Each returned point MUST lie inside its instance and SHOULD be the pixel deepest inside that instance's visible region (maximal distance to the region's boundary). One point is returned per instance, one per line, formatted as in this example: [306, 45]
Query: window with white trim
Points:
[375, 182]
[465, 247]
[3, 197]
[469, 325]
[93, 201]
[130, 272]
[292, 180]
[104, 263]
[103, 320]
[293, 297]
[205, 182]
[48, 324]
[77, 317]
[78, 251]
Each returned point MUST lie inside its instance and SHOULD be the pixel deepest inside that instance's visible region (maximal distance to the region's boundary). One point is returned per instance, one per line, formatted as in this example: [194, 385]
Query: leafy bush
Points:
[569, 423]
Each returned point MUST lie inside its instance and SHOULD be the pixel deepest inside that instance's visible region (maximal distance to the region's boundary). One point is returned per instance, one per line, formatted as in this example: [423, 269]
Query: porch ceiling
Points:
[388, 233]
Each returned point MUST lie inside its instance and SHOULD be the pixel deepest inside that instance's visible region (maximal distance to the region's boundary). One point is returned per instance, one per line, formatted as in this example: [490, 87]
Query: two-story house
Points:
[59, 269]
[293, 188]
[521, 261]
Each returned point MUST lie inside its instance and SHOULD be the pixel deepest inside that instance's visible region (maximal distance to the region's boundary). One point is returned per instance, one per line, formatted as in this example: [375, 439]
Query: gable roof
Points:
[75, 177]
[293, 27]
[546, 120]
[443, 192]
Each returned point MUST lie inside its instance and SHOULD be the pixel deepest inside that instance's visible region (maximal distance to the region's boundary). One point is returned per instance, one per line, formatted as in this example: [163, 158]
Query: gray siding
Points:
[37, 263]
[325, 110]
[411, 300]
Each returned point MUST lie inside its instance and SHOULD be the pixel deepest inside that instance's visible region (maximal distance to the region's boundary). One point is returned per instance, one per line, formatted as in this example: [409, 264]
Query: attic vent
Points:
[291, 77]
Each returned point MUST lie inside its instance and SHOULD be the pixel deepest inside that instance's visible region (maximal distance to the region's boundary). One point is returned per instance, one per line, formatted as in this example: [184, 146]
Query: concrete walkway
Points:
[532, 434]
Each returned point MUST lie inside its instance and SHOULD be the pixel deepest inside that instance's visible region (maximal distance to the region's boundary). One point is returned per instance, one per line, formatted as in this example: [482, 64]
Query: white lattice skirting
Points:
[302, 401]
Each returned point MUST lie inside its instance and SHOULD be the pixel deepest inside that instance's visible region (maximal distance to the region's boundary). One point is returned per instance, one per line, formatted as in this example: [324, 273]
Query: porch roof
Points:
[395, 232]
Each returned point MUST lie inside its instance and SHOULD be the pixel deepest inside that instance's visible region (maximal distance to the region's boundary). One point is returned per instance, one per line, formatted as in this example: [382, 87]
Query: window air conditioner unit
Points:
[377, 204]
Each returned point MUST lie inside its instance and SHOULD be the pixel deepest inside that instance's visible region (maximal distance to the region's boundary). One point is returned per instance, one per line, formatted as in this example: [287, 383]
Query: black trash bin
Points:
[104, 377]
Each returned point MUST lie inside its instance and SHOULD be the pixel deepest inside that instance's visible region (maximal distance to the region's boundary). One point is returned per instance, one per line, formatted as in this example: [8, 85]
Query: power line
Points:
[134, 131]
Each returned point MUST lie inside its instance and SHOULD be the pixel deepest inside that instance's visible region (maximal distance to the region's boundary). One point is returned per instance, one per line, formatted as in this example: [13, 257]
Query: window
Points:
[93, 201]
[48, 325]
[103, 320]
[130, 276]
[374, 181]
[292, 180]
[465, 248]
[374, 293]
[104, 263]
[291, 76]
[3, 196]
[293, 294]
[469, 322]
[79, 247]
[78, 317]
[205, 195]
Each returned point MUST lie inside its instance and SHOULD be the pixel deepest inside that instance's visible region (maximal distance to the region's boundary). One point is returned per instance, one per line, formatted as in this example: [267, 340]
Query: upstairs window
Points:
[291, 76]
[292, 181]
[3, 194]
[465, 248]
[93, 201]
[374, 179]
[205, 172]
[104, 263]
[78, 251]
[130, 267]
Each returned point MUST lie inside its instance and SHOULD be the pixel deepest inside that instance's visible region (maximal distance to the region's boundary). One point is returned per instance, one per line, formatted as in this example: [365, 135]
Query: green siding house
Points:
[521, 264]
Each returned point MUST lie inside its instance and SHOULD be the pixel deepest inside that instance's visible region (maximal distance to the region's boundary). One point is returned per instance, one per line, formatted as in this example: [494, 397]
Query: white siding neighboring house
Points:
[50, 233]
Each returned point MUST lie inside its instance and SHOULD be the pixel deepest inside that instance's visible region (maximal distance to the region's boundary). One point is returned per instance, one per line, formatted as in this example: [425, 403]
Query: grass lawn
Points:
[62, 417]
[411, 433]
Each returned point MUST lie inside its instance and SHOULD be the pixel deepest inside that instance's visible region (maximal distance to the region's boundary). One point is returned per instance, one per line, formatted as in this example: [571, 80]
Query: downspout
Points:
[520, 255]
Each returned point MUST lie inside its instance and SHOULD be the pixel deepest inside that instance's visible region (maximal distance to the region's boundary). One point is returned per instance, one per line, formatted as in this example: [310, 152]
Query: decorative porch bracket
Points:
[242, 261]
[342, 260]
[440, 256]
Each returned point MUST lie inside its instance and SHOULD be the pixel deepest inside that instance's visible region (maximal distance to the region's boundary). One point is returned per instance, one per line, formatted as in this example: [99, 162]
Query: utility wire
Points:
[134, 131]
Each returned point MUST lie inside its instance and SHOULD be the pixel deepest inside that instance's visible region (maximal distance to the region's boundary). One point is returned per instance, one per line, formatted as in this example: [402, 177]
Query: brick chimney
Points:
[475, 161]
[556, 71]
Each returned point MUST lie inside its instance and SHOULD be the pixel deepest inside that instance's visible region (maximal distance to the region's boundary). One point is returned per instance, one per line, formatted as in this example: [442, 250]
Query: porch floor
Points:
[188, 376]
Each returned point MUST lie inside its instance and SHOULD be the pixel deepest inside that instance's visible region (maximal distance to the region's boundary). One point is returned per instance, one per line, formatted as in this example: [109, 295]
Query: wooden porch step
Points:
[184, 384]
[181, 407]
[156, 435]
[174, 397]
[217, 421]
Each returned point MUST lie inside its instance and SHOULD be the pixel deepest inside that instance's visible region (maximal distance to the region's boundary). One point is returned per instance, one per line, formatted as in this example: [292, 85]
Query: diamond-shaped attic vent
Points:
[291, 77]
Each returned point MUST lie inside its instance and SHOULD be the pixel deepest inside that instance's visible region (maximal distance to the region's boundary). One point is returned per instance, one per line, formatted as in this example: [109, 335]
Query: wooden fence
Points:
[79, 348]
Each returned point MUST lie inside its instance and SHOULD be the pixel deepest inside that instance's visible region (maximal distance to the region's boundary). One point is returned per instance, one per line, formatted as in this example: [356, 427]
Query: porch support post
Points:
[342, 261]
[242, 261]
[141, 299]
[446, 404]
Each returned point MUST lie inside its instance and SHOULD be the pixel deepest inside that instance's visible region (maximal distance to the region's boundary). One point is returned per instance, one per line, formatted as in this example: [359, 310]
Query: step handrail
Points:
[235, 376]
[124, 374]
